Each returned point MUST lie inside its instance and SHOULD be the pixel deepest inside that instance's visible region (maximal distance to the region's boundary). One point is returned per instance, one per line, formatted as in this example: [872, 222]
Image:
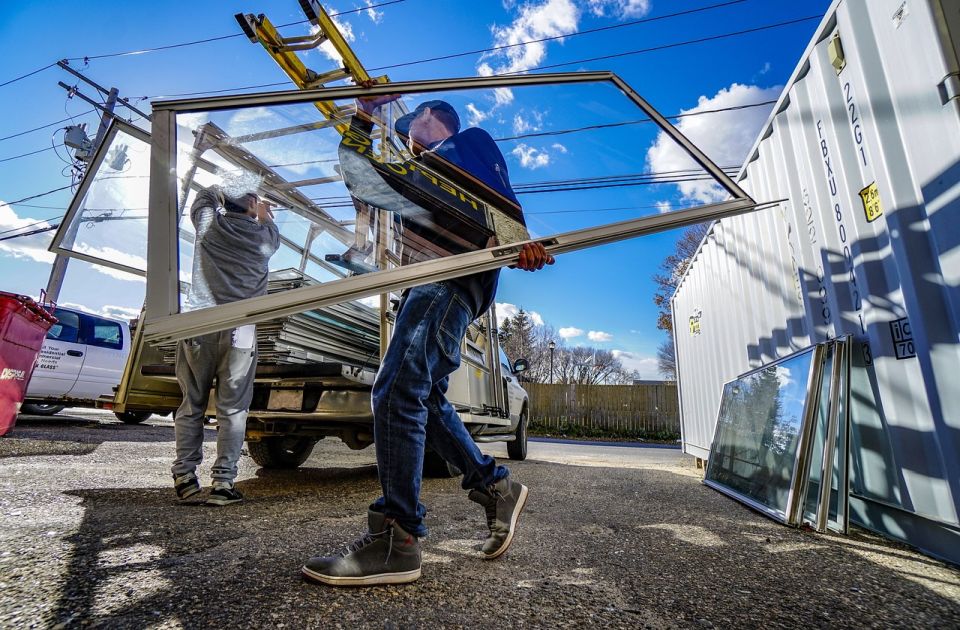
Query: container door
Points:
[104, 360]
[60, 359]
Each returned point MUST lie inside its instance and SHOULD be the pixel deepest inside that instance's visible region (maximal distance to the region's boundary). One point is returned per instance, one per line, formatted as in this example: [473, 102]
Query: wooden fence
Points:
[628, 408]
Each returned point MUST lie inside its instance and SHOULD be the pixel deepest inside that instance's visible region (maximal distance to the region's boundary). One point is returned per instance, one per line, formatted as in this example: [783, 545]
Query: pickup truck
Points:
[296, 405]
[81, 361]
[86, 359]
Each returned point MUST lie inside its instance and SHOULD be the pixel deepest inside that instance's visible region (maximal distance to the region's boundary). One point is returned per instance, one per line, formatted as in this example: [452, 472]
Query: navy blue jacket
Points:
[475, 152]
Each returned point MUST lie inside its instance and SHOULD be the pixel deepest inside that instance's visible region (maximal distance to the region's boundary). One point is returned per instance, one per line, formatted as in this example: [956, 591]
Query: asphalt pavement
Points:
[91, 535]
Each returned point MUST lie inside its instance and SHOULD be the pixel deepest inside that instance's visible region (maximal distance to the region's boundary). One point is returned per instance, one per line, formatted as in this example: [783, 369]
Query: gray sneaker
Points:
[503, 502]
[386, 554]
[186, 485]
[224, 493]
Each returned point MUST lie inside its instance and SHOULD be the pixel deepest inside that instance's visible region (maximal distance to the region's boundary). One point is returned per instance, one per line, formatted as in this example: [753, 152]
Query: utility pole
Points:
[59, 270]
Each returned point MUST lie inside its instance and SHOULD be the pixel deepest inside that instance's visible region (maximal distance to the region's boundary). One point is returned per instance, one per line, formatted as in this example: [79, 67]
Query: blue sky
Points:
[603, 296]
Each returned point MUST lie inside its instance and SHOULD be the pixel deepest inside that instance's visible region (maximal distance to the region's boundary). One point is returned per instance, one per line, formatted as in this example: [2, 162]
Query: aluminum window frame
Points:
[801, 457]
[164, 322]
[116, 125]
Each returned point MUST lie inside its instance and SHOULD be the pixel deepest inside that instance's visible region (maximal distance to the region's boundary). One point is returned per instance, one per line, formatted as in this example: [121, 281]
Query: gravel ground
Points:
[91, 535]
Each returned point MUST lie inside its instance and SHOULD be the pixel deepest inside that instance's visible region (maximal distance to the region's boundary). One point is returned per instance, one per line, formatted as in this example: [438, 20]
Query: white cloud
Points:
[724, 136]
[531, 122]
[620, 8]
[551, 18]
[298, 153]
[374, 15]
[599, 336]
[34, 246]
[502, 96]
[108, 310]
[506, 310]
[645, 366]
[346, 29]
[530, 157]
[570, 332]
[520, 124]
[559, 147]
[475, 116]
[663, 206]
[117, 256]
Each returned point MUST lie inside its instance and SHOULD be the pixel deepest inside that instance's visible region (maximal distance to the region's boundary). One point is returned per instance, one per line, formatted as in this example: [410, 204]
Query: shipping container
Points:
[863, 147]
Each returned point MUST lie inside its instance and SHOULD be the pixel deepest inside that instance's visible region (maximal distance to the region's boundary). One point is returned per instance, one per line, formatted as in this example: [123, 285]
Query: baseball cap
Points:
[240, 203]
[403, 123]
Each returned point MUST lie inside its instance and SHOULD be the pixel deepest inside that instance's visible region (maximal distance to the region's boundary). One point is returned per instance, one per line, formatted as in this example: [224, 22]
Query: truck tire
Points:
[437, 467]
[40, 409]
[132, 417]
[281, 452]
[517, 449]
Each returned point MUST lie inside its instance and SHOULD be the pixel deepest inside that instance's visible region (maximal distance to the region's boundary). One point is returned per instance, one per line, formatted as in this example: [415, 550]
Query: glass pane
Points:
[839, 488]
[67, 327]
[820, 435]
[758, 433]
[106, 335]
[429, 175]
[111, 221]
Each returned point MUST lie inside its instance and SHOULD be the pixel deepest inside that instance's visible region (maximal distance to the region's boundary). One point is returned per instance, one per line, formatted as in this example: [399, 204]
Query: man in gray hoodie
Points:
[230, 263]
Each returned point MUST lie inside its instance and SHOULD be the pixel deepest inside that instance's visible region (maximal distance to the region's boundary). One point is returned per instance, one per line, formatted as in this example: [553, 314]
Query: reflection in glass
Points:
[357, 193]
[754, 451]
[820, 436]
[110, 223]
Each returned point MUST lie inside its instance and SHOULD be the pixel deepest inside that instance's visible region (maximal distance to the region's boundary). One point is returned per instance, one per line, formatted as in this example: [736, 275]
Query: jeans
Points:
[410, 409]
[233, 363]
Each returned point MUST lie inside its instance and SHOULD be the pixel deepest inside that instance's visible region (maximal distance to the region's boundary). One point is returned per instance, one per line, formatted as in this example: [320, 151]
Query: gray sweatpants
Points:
[200, 360]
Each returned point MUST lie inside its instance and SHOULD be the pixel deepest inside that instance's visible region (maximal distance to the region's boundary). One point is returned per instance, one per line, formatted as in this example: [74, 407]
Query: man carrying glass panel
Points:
[230, 263]
[453, 196]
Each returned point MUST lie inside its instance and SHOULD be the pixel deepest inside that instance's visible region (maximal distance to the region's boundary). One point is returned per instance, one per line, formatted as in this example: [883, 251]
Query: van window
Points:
[67, 329]
[102, 333]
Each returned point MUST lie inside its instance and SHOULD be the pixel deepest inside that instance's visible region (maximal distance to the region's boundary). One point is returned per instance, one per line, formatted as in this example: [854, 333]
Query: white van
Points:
[82, 359]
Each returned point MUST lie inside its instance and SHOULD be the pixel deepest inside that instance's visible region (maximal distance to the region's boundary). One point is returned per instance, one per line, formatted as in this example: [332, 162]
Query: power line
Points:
[219, 38]
[16, 229]
[43, 194]
[23, 133]
[561, 132]
[15, 157]
[544, 67]
[666, 46]
[233, 89]
[39, 231]
[29, 74]
[555, 37]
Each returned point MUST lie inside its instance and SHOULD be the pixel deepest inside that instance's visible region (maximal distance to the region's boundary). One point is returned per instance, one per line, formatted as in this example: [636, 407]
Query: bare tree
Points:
[667, 359]
[672, 269]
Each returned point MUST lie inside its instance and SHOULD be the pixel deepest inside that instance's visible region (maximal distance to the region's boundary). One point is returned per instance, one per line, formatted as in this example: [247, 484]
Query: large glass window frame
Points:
[163, 322]
[818, 488]
[62, 240]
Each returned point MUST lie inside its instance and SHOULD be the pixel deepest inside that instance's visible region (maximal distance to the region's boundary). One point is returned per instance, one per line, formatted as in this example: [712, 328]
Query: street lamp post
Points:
[552, 345]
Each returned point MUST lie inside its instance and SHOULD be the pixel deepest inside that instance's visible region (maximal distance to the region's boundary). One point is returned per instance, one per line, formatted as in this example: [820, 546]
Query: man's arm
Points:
[265, 217]
[204, 209]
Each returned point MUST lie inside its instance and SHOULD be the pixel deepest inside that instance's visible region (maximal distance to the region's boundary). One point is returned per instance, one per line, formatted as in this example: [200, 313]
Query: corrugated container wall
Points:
[864, 146]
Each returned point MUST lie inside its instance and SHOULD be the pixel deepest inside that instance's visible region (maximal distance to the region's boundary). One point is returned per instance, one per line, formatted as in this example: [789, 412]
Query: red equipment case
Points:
[23, 327]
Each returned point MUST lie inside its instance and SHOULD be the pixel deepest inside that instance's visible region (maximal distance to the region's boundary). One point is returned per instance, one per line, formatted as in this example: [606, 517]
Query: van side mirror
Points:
[520, 365]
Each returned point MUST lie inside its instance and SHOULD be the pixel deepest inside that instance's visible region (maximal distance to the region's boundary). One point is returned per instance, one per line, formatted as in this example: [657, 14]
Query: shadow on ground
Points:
[608, 547]
[65, 434]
